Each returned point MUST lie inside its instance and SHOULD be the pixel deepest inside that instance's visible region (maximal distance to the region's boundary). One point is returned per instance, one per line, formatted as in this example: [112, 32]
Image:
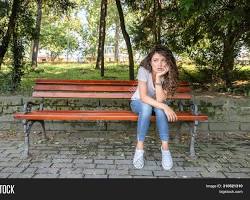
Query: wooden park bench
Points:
[101, 89]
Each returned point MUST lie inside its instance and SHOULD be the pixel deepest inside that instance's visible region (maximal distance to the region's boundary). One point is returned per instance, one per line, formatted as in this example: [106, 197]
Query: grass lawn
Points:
[70, 71]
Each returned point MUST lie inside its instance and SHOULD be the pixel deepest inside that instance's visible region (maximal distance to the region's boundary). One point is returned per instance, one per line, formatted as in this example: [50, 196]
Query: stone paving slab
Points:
[95, 156]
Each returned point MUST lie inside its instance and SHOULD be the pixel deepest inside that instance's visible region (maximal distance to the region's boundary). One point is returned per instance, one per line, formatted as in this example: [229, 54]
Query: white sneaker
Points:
[138, 160]
[167, 162]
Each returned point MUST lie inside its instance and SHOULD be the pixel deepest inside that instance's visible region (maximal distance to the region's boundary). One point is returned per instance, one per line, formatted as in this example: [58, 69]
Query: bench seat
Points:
[98, 115]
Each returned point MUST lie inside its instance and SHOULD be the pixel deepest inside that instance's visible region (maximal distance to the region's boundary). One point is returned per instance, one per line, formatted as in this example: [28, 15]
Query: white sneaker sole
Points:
[138, 166]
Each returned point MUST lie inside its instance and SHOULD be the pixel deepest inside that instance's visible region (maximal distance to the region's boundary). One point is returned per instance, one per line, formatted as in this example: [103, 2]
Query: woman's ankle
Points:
[164, 145]
[140, 145]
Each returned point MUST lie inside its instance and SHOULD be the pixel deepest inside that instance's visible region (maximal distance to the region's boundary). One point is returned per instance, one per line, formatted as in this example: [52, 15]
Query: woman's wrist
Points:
[164, 106]
[157, 81]
[158, 78]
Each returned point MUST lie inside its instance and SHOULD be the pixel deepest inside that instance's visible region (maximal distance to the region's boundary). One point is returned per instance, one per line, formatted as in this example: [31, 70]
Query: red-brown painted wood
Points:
[85, 88]
[109, 95]
[96, 82]
[92, 88]
[98, 115]
[86, 82]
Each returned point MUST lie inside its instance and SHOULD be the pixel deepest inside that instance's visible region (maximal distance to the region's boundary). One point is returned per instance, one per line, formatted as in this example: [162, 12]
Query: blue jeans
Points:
[145, 111]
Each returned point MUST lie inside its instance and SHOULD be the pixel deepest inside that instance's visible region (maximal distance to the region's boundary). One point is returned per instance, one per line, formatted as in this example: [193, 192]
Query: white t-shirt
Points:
[146, 76]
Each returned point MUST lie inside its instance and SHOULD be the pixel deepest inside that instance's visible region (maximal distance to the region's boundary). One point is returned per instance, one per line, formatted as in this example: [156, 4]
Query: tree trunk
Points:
[100, 50]
[17, 51]
[98, 58]
[127, 40]
[103, 36]
[227, 62]
[11, 26]
[117, 30]
[37, 34]
[155, 22]
[159, 10]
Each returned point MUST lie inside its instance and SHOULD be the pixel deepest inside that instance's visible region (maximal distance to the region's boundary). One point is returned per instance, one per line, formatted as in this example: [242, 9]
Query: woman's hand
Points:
[164, 71]
[171, 115]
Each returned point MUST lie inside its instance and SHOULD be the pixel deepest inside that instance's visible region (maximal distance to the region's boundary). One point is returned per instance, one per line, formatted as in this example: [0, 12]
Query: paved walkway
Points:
[94, 155]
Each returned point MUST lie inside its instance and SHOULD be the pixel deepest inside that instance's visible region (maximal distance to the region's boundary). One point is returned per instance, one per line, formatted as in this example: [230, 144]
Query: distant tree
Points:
[58, 34]
[102, 29]
[57, 7]
[113, 23]
[91, 9]
[117, 39]
[11, 25]
[147, 26]
[37, 34]
[90, 28]
[127, 40]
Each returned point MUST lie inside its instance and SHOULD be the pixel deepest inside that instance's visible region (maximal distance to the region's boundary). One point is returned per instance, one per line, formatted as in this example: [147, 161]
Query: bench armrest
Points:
[193, 106]
[27, 107]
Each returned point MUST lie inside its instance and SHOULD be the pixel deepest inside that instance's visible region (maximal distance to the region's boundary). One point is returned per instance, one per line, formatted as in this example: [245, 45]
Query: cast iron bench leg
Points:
[27, 124]
[27, 127]
[193, 132]
[43, 127]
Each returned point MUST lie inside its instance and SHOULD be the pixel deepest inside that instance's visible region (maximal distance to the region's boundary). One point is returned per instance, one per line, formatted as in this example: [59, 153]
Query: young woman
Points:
[157, 80]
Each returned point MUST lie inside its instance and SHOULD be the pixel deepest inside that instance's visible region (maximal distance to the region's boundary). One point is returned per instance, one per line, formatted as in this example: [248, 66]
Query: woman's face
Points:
[159, 63]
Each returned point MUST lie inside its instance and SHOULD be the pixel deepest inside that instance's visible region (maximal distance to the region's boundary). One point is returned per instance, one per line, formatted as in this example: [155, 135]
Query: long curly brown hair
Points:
[170, 81]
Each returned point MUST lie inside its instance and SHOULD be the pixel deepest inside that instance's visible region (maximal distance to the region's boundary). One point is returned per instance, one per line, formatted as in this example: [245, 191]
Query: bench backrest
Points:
[120, 89]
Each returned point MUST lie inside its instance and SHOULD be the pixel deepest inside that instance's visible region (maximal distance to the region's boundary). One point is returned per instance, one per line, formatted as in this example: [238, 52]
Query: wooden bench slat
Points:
[86, 82]
[98, 115]
[80, 111]
[115, 95]
[91, 88]
[54, 94]
[85, 88]
[95, 82]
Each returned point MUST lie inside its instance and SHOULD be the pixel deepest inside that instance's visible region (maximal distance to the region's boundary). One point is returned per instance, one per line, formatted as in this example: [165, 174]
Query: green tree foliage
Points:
[146, 25]
[91, 26]
[210, 31]
[20, 35]
[213, 32]
[12, 20]
[59, 7]
[59, 34]
[91, 8]
[17, 25]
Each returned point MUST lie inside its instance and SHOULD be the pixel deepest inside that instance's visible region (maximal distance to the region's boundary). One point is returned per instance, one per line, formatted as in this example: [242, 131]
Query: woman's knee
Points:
[146, 110]
[160, 113]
